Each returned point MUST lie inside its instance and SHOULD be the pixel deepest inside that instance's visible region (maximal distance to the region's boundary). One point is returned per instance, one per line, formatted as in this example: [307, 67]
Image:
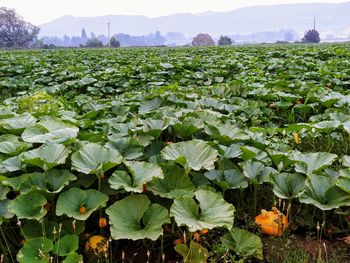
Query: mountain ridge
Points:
[331, 19]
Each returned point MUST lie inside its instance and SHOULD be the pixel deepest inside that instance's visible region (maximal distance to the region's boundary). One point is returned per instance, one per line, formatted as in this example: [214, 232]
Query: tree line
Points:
[15, 32]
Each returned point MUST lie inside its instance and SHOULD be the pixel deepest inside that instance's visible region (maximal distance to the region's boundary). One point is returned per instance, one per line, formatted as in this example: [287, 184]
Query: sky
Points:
[42, 11]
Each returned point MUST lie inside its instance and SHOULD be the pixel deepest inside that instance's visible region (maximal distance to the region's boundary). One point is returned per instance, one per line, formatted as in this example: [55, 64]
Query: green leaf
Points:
[51, 181]
[3, 189]
[195, 155]
[28, 206]
[228, 179]
[321, 191]
[50, 131]
[141, 173]
[174, 184]
[4, 212]
[195, 253]
[188, 126]
[210, 212]
[13, 148]
[287, 186]
[344, 184]
[128, 147]
[70, 202]
[73, 258]
[66, 245]
[311, 162]
[256, 172]
[243, 243]
[12, 164]
[134, 218]
[46, 156]
[17, 123]
[36, 251]
[95, 159]
[226, 133]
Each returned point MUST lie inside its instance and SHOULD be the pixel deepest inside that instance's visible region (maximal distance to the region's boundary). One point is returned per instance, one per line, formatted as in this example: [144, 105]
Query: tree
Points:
[311, 36]
[203, 40]
[114, 42]
[84, 37]
[14, 31]
[225, 41]
[94, 42]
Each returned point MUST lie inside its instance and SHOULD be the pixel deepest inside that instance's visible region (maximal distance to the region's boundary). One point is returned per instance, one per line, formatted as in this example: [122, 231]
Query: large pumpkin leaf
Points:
[256, 172]
[52, 181]
[195, 155]
[51, 131]
[287, 185]
[195, 253]
[134, 218]
[36, 250]
[188, 126]
[311, 162]
[70, 203]
[66, 245]
[3, 189]
[10, 145]
[243, 243]
[140, 174]
[344, 184]
[95, 159]
[28, 206]
[17, 123]
[12, 164]
[4, 212]
[226, 133]
[210, 212]
[228, 179]
[46, 156]
[174, 184]
[322, 191]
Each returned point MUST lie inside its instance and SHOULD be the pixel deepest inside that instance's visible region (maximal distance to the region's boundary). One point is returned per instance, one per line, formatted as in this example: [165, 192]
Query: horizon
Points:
[82, 9]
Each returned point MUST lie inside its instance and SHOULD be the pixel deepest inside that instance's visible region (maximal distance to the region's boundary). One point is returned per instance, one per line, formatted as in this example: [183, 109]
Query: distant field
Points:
[165, 143]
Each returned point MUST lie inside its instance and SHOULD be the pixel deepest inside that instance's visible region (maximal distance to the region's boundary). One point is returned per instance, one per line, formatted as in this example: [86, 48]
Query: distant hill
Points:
[331, 19]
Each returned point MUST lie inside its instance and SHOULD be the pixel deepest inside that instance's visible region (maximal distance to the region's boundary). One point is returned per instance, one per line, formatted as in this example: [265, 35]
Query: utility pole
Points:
[314, 23]
[109, 34]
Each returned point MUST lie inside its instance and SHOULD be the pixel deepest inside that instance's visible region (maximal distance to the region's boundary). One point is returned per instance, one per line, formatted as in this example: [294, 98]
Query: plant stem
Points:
[7, 245]
[255, 192]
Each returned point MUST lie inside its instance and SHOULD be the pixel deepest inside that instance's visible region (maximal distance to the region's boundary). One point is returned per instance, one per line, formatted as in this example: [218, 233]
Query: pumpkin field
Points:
[216, 154]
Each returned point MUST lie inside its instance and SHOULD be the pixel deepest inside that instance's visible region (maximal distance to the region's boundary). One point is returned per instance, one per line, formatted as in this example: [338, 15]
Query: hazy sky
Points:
[41, 11]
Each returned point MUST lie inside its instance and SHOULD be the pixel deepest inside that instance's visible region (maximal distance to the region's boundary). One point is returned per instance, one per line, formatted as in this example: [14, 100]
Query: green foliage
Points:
[243, 243]
[94, 43]
[311, 36]
[203, 40]
[15, 31]
[225, 41]
[163, 142]
[114, 42]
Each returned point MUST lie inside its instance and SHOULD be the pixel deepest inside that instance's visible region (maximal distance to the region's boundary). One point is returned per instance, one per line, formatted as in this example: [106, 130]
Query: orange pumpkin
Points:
[96, 244]
[102, 222]
[204, 231]
[272, 223]
[82, 210]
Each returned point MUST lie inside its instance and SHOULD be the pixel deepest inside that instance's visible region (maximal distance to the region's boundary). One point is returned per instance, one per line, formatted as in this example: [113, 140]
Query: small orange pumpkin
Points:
[272, 223]
[82, 210]
[204, 231]
[102, 222]
[196, 236]
[178, 241]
